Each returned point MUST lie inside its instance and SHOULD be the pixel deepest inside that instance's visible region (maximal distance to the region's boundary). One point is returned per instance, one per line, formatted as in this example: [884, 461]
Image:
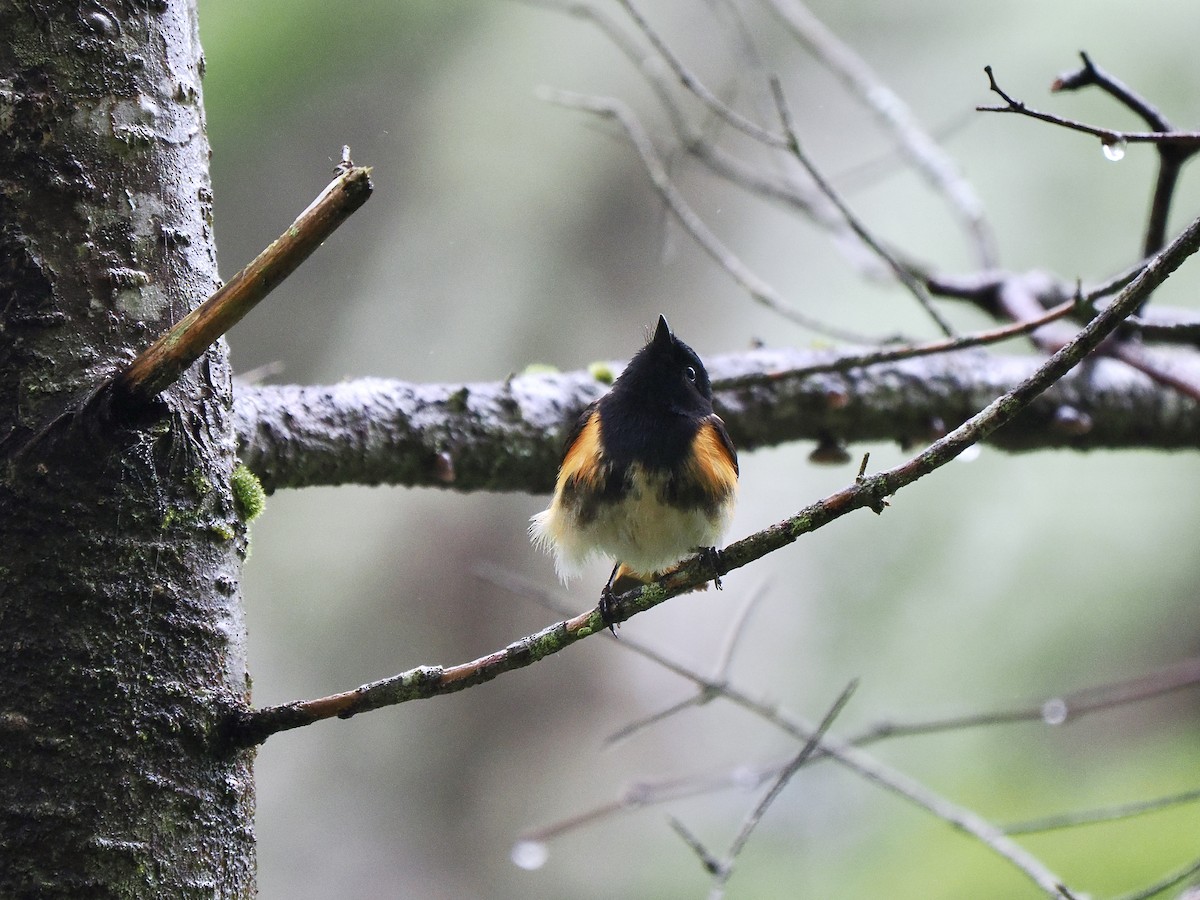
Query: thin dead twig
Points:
[758, 289]
[245, 728]
[900, 272]
[721, 876]
[1110, 137]
[160, 364]
[926, 157]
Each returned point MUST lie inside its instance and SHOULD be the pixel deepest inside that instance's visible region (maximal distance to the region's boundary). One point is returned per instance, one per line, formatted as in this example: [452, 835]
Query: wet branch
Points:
[250, 727]
[159, 365]
[1171, 157]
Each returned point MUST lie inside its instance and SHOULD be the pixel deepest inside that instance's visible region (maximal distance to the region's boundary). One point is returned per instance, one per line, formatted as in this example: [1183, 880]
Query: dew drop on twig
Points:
[529, 855]
[1055, 711]
[1114, 150]
[970, 454]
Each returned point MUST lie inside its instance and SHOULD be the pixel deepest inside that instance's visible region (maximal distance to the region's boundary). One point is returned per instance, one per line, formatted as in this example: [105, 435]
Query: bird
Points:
[649, 474]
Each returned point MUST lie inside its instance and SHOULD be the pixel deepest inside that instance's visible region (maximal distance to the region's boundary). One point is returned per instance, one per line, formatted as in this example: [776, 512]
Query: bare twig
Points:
[901, 273]
[779, 188]
[894, 354]
[1161, 325]
[649, 792]
[128, 394]
[1134, 354]
[759, 290]
[697, 87]
[1058, 710]
[1109, 137]
[1022, 297]
[159, 365]
[854, 759]
[722, 874]
[872, 770]
[921, 150]
[1092, 74]
[249, 727]
[1053, 710]
[1170, 158]
[625, 732]
[702, 696]
[1165, 883]
[736, 631]
[711, 864]
[1106, 814]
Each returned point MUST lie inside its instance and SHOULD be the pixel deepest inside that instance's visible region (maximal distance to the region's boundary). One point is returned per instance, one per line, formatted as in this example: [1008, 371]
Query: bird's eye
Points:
[690, 372]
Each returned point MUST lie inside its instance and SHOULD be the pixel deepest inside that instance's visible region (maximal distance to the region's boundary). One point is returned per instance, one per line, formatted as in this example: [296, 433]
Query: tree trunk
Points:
[121, 633]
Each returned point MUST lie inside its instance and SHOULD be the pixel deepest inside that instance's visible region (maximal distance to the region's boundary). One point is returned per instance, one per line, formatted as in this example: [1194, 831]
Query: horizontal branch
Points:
[1189, 140]
[506, 436]
[249, 727]
[1055, 710]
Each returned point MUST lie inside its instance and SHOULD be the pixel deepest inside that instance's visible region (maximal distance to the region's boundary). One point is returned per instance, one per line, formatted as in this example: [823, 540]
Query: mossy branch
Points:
[250, 727]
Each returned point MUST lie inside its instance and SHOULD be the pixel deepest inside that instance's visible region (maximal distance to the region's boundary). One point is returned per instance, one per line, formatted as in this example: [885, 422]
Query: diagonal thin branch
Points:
[1056, 710]
[811, 745]
[702, 696]
[697, 87]
[160, 364]
[708, 861]
[900, 272]
[645, 793]
[1167, 882]
[841, 751]
[642, 793]
[1091, 74]
[895, 354]
[1106, 814]
[866, 766]
[926, 157]
[245, 727]
[779, 188]
[758, 289]
[127, 395]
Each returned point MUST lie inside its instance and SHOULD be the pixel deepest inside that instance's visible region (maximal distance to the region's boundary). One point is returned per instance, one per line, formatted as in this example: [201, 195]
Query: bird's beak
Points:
[662, 334]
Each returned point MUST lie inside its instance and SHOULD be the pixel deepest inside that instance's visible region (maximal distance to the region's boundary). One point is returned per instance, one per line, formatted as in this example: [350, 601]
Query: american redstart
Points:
[648, 474]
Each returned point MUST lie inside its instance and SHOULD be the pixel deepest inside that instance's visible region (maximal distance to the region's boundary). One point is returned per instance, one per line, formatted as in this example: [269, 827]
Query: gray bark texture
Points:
[507, 435]
[120, 615]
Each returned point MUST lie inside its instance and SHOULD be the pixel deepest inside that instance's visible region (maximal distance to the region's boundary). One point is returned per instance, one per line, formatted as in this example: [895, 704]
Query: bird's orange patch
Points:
[584, 458]
[715, 463]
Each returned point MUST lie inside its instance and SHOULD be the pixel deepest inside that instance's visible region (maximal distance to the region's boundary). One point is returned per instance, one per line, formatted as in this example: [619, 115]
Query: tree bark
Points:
[120, 615]
[507, 435]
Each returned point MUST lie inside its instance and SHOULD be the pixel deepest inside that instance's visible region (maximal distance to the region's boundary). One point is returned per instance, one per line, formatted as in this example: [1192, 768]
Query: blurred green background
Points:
[505, 231]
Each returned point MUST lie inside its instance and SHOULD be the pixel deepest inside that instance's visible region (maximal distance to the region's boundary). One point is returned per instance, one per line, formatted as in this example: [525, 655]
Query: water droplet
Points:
[100, 23]
[746, 778]
[1114, 149]
[970, 454]
[529, 855]
[1055, 711]
[1071, 421]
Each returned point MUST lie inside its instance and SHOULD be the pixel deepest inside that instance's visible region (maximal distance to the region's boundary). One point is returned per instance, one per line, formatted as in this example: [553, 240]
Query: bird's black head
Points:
[667, 375]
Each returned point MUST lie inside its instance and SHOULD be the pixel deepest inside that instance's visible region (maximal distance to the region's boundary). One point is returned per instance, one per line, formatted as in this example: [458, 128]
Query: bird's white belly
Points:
[641, 531]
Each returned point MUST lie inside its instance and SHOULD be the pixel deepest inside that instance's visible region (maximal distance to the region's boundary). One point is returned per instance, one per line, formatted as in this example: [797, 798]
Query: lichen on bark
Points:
[120, 614]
